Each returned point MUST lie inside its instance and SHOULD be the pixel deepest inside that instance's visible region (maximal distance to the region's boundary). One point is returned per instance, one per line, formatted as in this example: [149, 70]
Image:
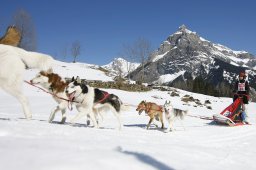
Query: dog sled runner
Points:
[231, 115]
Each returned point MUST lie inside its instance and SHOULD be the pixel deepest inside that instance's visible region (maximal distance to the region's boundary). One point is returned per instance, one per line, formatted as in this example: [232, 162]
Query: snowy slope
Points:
[36, 144]
[85, 71]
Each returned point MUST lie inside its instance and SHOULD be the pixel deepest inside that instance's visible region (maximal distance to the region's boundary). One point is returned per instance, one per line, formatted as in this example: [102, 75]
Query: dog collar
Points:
[76, 100]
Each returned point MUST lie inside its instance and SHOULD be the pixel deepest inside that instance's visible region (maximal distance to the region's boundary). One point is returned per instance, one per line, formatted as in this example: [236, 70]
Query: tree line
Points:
[200, 85]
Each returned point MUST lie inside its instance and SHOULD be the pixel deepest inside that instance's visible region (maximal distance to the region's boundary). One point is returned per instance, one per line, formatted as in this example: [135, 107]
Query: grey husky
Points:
[171, 114]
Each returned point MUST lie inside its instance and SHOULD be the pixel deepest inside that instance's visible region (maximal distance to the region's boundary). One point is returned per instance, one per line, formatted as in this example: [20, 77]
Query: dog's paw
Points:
[96, 127]
[63, 120]
[167, 130]
[88, 122]
[29, 116]
[51, 118]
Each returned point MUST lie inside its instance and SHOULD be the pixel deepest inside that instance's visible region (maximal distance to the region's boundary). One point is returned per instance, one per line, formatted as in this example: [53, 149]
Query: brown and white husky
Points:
[55, 85]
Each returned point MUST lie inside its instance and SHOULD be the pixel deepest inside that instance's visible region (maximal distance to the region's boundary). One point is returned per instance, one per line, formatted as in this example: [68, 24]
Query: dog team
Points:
[88, 101]
[91, 101]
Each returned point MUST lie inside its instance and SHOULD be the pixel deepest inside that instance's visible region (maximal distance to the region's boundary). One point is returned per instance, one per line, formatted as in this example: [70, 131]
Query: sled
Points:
[231, 115]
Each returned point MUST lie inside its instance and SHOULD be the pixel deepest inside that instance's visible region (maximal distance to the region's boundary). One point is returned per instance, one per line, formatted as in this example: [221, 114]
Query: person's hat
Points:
[242, 74]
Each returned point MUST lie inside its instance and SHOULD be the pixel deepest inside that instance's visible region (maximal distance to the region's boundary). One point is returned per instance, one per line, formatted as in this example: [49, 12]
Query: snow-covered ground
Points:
[37, 144]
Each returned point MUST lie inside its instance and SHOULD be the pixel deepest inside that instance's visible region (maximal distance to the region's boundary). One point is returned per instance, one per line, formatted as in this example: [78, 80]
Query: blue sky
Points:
[102, 26]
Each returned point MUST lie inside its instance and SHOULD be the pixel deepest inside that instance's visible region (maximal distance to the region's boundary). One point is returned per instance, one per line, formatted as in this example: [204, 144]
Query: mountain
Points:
[120, 66]
[185, 56]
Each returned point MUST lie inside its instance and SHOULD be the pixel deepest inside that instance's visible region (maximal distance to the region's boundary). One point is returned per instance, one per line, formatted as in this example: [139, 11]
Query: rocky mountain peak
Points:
[188, 55]
[182, 27]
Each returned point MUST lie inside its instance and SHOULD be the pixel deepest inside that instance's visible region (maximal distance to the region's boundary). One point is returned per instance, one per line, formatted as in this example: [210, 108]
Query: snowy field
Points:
[39, 145]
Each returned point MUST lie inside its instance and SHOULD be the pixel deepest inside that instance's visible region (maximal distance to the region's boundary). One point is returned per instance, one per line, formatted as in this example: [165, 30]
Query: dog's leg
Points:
[92, 115]
[97, 115]
[52, 115]
[162, 121]
[77, 116]
[170, 127]
[17, 93]
[62, 106]
[64, 117]
[150, 121]
[88, 120]
[117, 114]
[182, 124]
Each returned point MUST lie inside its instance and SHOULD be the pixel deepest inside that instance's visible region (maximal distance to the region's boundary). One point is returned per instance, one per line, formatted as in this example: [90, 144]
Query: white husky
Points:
[171, 114]
[13, 62]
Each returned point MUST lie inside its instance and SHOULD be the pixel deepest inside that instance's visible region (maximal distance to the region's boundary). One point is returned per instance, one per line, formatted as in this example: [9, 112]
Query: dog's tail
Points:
[185, 113]
[125, 107]
[35, 60]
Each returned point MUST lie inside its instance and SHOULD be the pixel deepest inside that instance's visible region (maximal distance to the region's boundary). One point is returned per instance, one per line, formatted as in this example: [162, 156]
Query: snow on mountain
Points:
[214, 49]
[120, 66]
[168, 77]
[37, 144]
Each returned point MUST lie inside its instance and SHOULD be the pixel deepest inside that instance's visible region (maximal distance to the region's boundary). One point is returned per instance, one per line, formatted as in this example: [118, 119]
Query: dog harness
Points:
[105, 96]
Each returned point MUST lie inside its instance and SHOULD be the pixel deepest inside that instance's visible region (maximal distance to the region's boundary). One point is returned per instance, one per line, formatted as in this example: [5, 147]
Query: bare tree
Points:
[140, 49]
[75, 50]
[144, 51]
[128, 52]
[23, 21]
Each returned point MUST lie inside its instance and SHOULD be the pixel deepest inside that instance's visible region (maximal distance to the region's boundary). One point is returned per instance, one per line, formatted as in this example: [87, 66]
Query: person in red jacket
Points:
[242, 90]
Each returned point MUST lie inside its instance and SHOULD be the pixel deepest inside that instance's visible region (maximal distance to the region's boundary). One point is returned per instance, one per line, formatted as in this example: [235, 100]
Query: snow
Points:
[232, 55]
[202, 39]
[85, 71]
[158, 57]
[233, 63]
[120, 65]
[37, 144]
[169, 77]
[221, 47]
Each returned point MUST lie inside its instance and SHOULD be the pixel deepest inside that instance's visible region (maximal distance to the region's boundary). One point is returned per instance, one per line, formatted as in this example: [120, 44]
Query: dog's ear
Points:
[73, 79]
[78, 79]
[76, 83]
[49, 71]
[84, 88]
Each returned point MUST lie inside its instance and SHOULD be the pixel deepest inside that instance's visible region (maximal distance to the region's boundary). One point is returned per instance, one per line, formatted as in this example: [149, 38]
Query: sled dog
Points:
[171, 114]
[89, 101]
[153, 110]
[13, 62]
[55, 85]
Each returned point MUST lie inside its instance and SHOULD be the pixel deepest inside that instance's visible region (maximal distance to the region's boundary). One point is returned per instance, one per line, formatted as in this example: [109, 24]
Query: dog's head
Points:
[141, 107]
[75, 88]
[42, 77]
[167, 106]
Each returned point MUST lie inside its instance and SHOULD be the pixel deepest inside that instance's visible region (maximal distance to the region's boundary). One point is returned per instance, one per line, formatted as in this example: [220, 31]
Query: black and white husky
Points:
[90, 101]
[171, 114]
